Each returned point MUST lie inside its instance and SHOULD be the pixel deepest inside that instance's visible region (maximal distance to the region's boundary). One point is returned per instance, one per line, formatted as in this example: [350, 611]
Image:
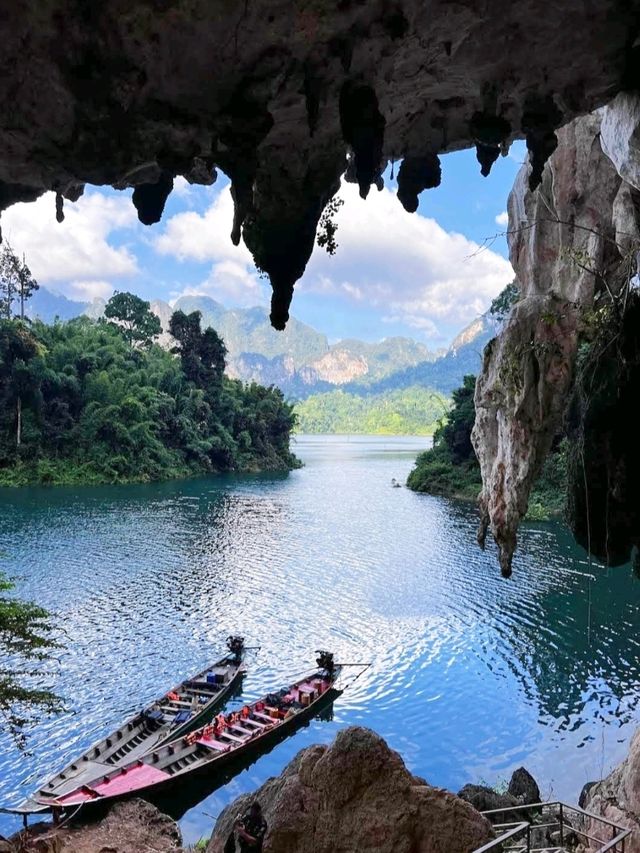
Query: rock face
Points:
[522, 789]
[570, 241]
[617, 798]
[129, 827]
[356, 795]
[277, 94]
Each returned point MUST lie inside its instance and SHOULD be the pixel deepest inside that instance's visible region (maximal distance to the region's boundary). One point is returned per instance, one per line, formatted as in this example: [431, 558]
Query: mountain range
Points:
[300, 360]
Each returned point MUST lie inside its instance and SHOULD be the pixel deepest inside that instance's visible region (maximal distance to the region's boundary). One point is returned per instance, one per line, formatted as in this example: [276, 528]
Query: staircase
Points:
[552, 828]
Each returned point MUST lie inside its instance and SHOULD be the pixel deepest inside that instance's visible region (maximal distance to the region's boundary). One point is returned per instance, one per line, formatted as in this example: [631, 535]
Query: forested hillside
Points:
[85, 401]
[409, 411]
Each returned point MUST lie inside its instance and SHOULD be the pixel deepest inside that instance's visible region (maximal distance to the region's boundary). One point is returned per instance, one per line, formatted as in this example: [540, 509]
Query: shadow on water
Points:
[194, 790]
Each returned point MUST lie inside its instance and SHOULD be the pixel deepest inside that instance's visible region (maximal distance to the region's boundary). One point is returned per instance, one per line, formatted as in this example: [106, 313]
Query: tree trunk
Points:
[19, 422]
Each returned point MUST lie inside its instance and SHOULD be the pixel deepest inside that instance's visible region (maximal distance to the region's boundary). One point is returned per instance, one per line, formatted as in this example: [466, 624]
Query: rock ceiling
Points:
[279, 94]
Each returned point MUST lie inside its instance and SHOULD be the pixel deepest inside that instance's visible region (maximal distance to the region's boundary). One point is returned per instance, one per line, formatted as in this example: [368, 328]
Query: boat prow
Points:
[182, 709]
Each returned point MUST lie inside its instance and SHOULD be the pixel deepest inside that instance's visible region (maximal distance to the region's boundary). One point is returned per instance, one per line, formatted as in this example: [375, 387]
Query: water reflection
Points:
[472, 674]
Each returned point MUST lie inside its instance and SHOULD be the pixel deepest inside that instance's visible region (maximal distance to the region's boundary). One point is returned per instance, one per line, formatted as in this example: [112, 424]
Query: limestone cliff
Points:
[573, 245]
[284, 96]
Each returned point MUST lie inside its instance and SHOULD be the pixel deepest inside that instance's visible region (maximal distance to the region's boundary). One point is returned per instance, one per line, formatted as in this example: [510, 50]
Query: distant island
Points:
[98, 401]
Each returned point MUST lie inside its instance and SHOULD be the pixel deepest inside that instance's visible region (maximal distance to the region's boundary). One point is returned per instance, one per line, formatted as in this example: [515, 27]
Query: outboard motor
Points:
[236, 646]
[325, 661]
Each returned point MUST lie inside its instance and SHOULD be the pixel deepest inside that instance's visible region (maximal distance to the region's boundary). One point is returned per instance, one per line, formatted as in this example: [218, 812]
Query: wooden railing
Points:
[523, 835]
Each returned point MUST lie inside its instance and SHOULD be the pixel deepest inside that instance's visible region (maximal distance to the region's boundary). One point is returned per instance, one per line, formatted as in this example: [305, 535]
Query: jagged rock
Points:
[150, 199]
[274, 94]
[617, 798]
[129, 827]
[356, 795]
[584, 793]
[415, 175]
[523, 786]
[562, 244]
[522, 789]
[485, 799]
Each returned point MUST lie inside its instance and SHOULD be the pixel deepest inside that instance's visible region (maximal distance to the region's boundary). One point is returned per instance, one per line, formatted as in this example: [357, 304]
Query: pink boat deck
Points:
[128, 780]
[211, 743]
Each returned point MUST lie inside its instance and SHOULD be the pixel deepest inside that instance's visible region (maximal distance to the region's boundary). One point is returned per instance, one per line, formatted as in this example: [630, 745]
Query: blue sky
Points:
[420, 275]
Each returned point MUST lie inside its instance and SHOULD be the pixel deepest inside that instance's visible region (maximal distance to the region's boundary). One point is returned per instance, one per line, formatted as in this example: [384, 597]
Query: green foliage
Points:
[327, 226]
[134, 316]
[16, 282]
[410, 411]
[26, 643]
[202, 353]
[450, 468]
[94, 409]
[505, 300]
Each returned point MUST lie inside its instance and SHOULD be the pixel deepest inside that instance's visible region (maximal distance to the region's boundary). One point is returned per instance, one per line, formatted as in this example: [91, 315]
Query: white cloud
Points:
[86, 291]
[192, 236]
[75, 255]
[181, 187]
[502, 219]
[204, 237]
[406, 265]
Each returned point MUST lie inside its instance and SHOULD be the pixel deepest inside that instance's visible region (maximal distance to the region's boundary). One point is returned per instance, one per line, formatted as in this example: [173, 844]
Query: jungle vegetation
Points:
[405, 411]
[99, 402]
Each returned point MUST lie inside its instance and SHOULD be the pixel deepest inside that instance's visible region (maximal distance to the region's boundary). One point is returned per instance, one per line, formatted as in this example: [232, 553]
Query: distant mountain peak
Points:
[300, 360]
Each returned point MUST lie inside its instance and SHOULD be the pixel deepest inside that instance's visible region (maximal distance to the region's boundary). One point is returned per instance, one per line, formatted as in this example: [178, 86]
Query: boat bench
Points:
[213, 744]
[233, 737]
[264, 717]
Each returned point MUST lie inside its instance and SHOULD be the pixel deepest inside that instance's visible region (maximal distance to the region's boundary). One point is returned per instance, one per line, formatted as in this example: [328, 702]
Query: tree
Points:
[202, 353]
[456, 432]
[16, 282]
[134, 317]
[18, 347]
[505, 300]
[25, 640]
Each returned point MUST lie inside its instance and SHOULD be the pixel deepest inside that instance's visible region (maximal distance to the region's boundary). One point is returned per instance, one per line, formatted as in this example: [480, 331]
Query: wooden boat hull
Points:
[136, 738]
[168, 769]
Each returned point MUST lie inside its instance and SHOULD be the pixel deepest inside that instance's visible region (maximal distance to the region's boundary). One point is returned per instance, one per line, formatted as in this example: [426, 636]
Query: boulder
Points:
[356, 795]
[132, 826]
[485, 799]
[523, 786]
[616, 798]
[620, 136]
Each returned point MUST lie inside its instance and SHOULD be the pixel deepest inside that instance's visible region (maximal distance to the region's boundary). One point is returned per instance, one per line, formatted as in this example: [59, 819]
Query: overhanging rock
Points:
[276, 93]
[572, 240]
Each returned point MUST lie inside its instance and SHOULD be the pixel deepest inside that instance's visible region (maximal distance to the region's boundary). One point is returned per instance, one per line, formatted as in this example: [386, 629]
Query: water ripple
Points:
[471, 676]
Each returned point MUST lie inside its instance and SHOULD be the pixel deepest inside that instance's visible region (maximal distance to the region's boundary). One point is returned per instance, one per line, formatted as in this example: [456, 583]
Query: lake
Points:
[472, 675]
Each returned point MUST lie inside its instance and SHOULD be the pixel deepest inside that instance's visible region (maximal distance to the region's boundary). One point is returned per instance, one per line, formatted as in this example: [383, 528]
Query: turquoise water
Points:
[472, 675]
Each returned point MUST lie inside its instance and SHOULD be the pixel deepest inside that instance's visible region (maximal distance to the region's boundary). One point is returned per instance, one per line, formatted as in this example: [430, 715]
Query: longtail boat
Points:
[177, 712]
[207, 749]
